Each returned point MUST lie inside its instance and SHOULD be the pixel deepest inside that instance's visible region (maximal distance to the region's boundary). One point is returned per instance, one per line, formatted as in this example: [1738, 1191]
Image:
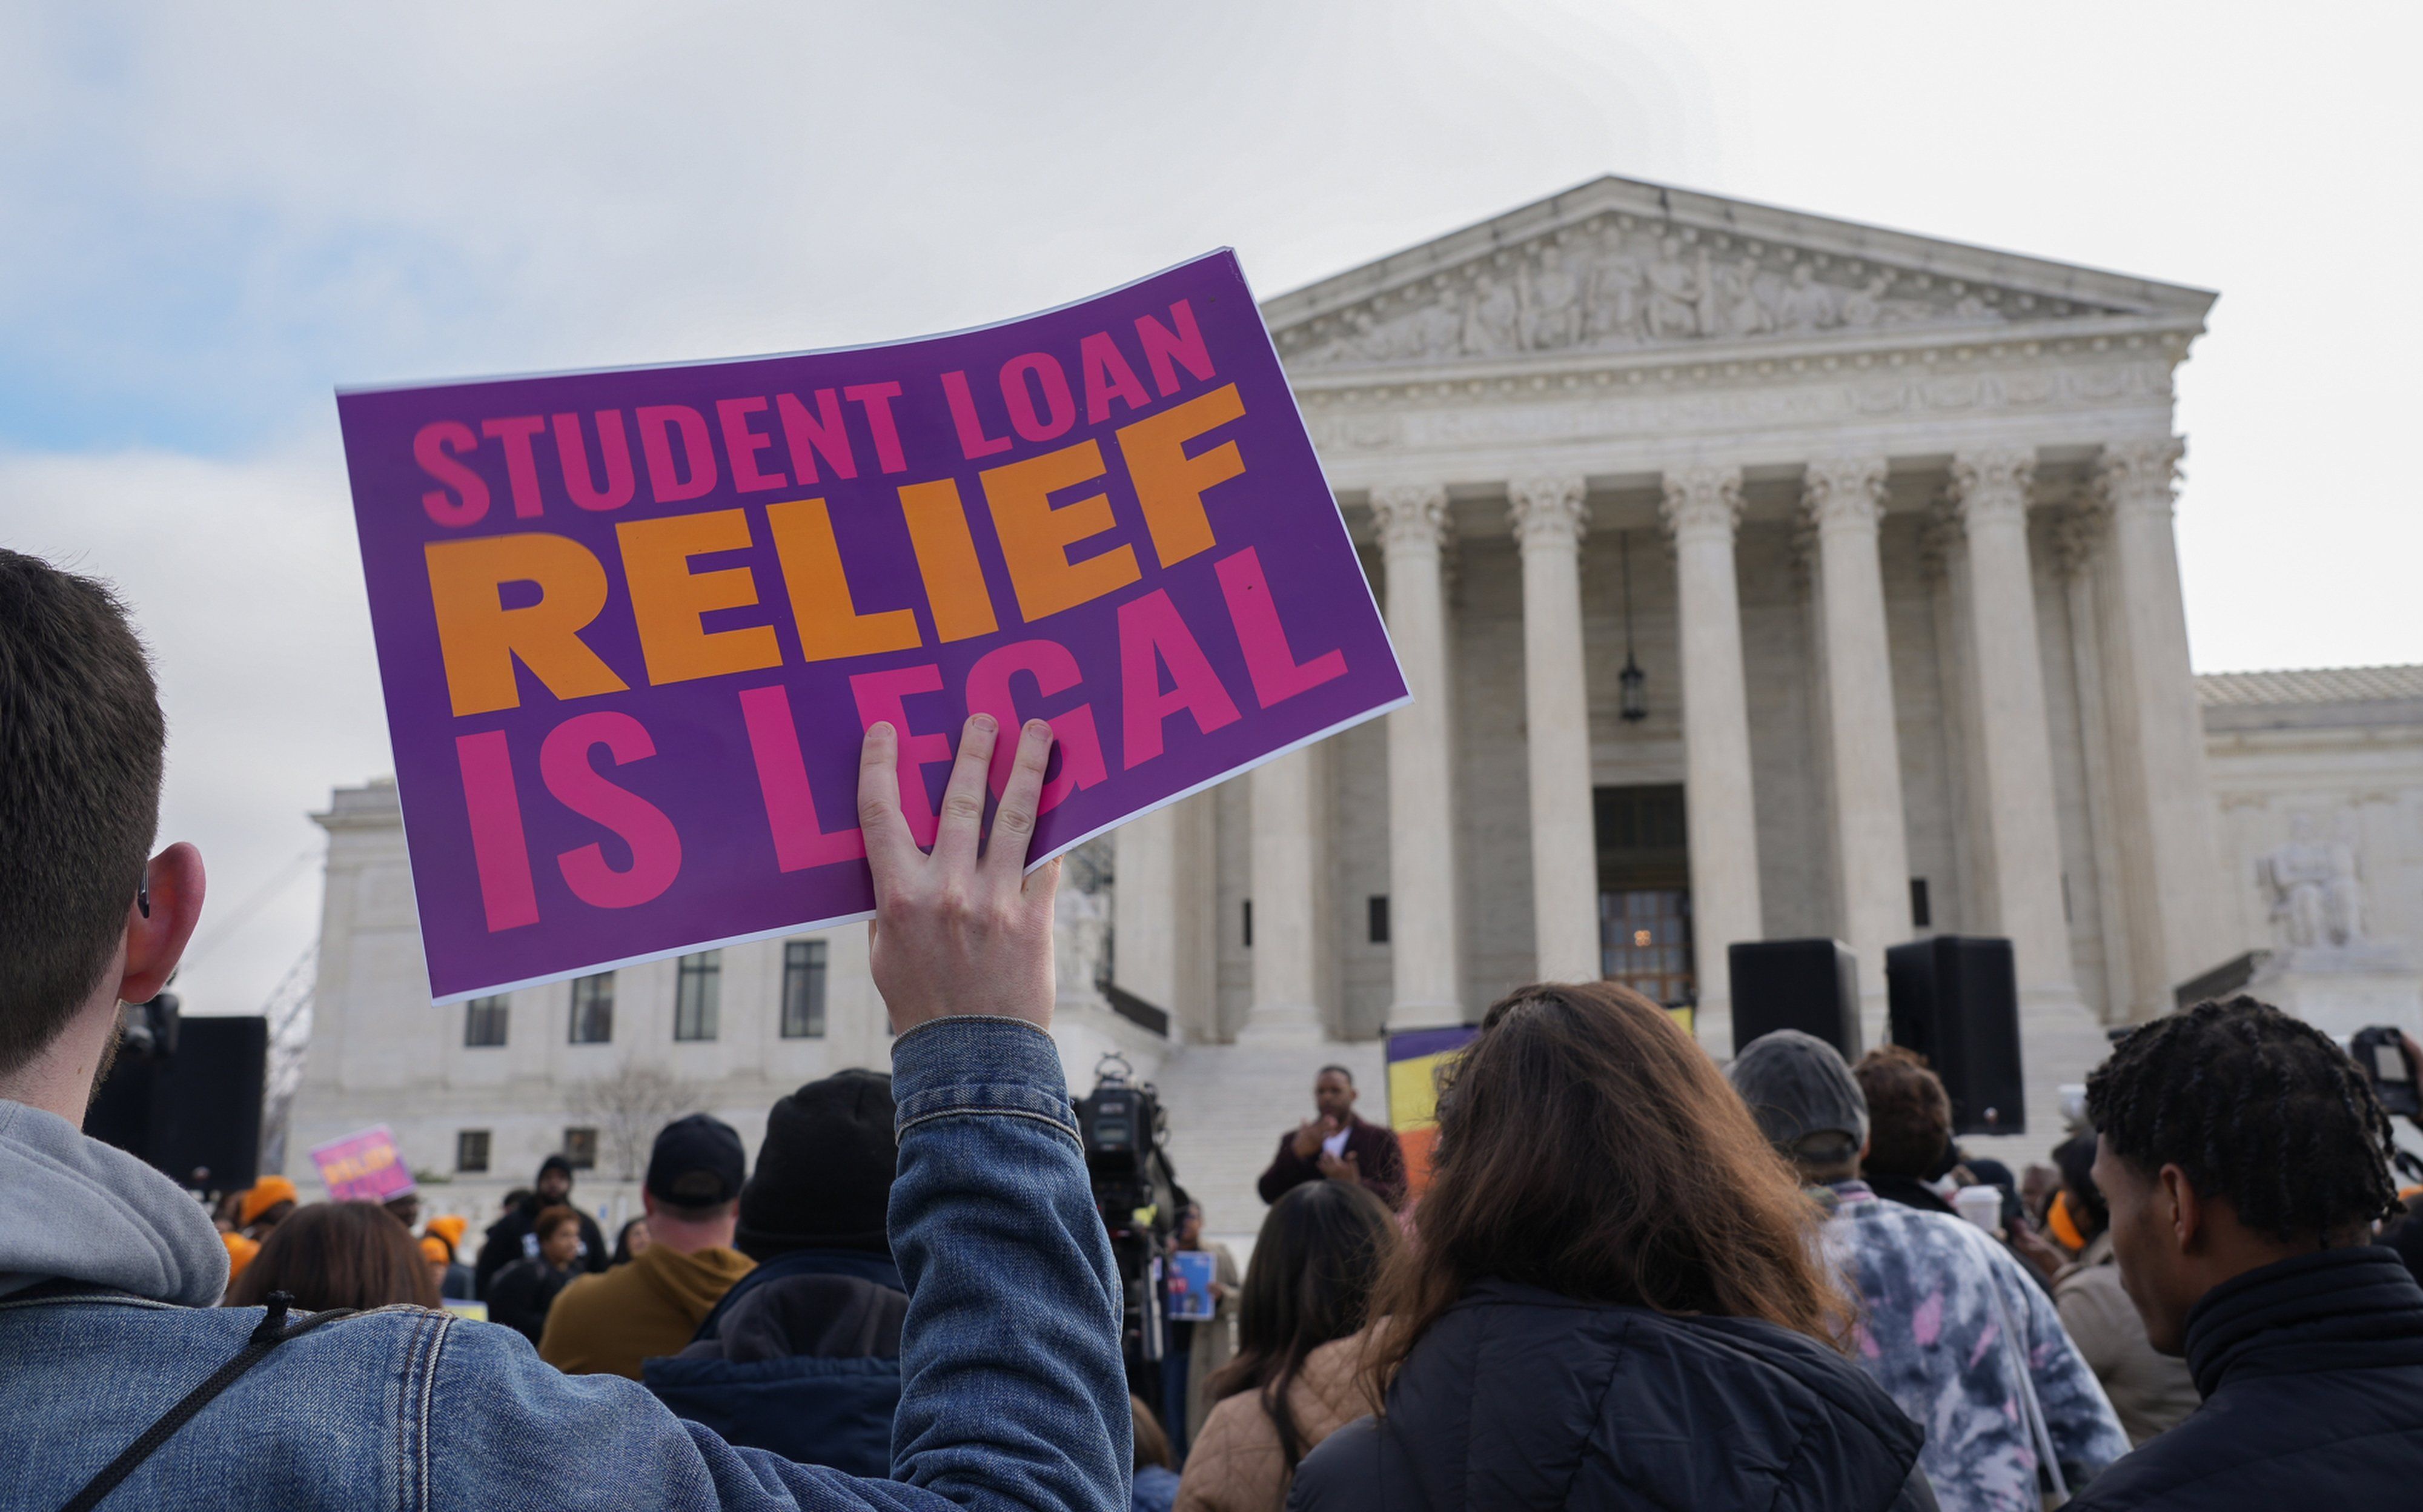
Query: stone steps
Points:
[1225, 1107]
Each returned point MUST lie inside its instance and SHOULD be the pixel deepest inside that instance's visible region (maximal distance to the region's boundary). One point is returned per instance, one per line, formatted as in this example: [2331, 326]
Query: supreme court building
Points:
[1757, 576]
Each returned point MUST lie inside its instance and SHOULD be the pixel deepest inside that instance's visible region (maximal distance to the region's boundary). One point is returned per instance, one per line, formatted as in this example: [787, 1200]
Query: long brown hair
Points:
[1587, 1146]
[338, 1254]
[1310, 1282]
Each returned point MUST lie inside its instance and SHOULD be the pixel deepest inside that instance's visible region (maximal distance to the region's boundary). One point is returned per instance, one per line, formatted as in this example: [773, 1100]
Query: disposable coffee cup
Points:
[1981, 1205]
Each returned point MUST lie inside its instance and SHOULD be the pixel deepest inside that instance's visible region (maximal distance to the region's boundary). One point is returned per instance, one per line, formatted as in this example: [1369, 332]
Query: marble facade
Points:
[1896, 514]
[1903, 588]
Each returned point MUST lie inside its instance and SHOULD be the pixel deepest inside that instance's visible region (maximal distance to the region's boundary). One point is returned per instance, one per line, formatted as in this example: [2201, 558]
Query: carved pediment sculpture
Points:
[1616, 282]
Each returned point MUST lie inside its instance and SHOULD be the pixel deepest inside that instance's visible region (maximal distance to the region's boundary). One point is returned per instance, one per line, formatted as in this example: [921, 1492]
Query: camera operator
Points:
[1137, 1196]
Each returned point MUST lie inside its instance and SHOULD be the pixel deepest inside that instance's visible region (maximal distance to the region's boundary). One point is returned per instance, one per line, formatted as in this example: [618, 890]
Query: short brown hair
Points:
[551, 1219]
[1909, 1114]
[81, 738]
[338, 1254]
[1589, 1147]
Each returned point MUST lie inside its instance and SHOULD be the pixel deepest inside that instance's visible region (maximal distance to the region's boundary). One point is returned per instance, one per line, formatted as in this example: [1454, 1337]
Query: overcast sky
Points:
[208, 220]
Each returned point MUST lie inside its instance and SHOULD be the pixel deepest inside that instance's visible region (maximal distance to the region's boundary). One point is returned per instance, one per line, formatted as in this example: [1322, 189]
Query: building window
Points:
[593, 1010]
[580, 1148]
[803, 990]
[1921, 915]
[1249, 924]
[471, 1151]
[1377, 928]
[696, 992]
[484, 1022]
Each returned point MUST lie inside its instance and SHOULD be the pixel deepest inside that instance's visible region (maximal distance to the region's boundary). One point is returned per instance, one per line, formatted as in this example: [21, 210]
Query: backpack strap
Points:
[272, 1333]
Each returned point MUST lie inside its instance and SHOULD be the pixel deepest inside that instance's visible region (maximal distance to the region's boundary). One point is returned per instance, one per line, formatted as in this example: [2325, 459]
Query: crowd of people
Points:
[1633, 1276]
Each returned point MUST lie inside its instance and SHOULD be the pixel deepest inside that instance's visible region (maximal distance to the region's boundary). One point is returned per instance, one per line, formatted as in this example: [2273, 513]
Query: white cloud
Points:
[243, 580]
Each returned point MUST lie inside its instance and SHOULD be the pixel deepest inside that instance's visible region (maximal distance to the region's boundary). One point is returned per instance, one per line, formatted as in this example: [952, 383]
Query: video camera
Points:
[1138, 1196]
[2380, 1052]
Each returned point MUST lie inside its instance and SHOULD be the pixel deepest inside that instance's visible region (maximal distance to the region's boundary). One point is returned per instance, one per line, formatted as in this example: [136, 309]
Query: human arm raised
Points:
[1013, 1394]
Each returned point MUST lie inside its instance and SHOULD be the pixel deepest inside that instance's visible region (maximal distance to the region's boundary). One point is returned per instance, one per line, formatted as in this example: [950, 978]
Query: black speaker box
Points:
[1808, 985]
[1955, 1000]
[195, 1111]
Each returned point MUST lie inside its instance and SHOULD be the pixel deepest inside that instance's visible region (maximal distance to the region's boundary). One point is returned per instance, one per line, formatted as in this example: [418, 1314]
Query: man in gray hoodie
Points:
[127, 1385]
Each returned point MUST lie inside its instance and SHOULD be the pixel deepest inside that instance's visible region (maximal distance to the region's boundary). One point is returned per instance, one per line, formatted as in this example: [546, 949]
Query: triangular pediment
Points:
[1618, 265]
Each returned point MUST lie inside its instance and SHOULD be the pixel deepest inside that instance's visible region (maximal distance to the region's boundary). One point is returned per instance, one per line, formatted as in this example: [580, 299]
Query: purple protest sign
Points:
[363, 1167]
[631, 625]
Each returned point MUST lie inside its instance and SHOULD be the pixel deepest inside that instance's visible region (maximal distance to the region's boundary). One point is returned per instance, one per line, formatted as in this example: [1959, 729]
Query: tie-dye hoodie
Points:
[1931, 1335]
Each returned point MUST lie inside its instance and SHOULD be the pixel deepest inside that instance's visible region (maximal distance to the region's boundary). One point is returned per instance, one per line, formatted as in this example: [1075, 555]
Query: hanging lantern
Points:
[1633, 703]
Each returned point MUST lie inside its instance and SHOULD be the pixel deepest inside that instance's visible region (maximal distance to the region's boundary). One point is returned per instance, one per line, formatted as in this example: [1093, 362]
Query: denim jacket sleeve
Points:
[1013, 1392]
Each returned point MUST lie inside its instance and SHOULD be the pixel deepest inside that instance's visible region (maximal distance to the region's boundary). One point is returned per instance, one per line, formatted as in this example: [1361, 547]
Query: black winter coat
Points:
[2312, 1375]
[508, 1240]
[1519, 1398]
[801, 1357]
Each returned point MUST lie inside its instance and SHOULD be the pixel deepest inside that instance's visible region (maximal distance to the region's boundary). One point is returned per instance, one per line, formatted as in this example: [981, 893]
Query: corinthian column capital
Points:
[1991, 484]
[1844, 492]
[1410, 514]
[1702, 500]
[1547, 511]
[2077, 533]
[2138, 476]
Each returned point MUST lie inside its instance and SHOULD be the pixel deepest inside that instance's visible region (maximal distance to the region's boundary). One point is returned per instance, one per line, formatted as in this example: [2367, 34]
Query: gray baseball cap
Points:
[1798, 1088]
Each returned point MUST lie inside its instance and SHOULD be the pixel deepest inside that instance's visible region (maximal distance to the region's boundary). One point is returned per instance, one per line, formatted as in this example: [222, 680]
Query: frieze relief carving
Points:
[1618, 282]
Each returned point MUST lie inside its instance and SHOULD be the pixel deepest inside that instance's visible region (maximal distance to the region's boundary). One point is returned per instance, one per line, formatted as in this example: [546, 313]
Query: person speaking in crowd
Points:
[2243, 1159]
[1949, 1323]
[515, 1236]
[1614, 1299]
[801, 1355]
[521, 1295]
[1298, 1376]
[2150, 1391]
[1336, 1144]
[1013, 1393]
[1197, 1347]
[338, 1254]
[613, 1320]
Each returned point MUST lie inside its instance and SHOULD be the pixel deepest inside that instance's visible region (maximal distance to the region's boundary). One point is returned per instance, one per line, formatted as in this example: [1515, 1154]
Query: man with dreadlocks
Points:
[2245, 1160]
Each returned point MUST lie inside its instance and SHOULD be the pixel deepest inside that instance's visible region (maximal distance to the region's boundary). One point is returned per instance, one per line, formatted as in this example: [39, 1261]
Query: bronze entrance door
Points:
[1644, 893]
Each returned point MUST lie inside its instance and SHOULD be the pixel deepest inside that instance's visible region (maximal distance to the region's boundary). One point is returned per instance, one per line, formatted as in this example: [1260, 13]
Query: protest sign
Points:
[1191, 1275]
[631, 625]
[363, 1167]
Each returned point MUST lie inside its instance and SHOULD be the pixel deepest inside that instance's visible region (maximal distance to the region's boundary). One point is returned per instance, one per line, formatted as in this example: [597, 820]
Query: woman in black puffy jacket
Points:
[1614, 1299]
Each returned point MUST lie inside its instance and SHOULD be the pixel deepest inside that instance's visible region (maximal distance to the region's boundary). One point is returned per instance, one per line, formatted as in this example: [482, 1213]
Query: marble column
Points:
[2158, 728]
[2077, 544]
[1702, 509]
[1550, 521]
[1289, 829]
[1845, 501]
[1423, 931]
[1164, 919]
[2021, 848]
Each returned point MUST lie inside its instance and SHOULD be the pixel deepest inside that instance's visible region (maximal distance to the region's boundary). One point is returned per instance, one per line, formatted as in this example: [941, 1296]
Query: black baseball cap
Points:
[698, 1162]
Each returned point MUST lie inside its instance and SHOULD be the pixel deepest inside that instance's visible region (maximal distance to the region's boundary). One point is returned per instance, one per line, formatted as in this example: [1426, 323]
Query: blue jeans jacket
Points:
[1013, 1394]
